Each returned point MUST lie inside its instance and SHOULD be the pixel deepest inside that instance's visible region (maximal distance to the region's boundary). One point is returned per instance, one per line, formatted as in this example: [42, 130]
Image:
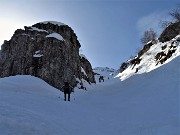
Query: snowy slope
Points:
[148, 60]
[107, 73]
[145, 104]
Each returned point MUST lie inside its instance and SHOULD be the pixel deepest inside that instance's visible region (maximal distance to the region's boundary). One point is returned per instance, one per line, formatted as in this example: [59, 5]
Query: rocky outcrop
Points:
[123, 66]
[167, 44]
[145, 48]
[86, 66]
[161, 57]
[136, 60]
[48, 50]
[170, 32]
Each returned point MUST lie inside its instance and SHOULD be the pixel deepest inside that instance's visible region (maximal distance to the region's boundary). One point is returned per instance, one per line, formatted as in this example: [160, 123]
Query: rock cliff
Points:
[86, 69]
[48, 50]
[170, 32]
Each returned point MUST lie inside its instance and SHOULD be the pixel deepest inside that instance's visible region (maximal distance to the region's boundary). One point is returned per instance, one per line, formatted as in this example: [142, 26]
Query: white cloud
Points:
[152, 21]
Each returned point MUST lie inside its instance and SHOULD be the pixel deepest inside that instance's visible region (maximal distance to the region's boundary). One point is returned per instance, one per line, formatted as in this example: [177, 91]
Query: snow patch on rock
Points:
[36, 29]
[53, 22]
[55, 35]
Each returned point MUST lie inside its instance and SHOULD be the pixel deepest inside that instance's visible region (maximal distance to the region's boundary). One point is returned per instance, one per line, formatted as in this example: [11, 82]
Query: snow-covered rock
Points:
[53, 22]
[83, 56]
[36, 29]
[157, 55]
[38, 54]
[86, 69]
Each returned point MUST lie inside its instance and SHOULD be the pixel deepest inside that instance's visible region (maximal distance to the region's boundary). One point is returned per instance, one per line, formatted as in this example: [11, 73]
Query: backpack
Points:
[66, 87]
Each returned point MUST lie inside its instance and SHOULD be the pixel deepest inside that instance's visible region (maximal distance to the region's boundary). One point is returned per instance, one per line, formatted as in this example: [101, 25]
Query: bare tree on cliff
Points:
[148, 35]
[175, 14]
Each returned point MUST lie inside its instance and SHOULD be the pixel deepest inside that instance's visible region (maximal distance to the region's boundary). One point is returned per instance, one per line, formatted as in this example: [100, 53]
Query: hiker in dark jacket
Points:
[101, 78]
[67, 90]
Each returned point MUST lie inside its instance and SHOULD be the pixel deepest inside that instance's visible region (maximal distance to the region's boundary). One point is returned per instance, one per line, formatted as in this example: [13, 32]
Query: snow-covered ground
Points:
[145, 104]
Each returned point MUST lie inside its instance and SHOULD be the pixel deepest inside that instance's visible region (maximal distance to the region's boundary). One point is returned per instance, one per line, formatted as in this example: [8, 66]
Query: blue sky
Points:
[109, 30]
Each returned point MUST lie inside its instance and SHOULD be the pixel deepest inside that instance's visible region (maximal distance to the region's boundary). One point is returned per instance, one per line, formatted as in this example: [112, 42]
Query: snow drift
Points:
[145, 104]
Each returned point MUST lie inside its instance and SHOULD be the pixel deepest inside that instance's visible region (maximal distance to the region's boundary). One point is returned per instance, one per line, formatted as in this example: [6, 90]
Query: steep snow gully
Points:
[145, 104]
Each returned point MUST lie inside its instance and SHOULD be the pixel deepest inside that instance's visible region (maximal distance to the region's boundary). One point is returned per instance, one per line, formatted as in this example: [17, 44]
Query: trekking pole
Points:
[73, 95]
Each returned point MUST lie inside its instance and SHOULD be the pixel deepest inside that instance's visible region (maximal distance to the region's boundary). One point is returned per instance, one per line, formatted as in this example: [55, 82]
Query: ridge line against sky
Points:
[109, 31]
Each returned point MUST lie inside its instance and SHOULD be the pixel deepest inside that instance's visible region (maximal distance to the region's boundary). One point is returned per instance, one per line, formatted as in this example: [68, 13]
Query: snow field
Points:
[145, 104]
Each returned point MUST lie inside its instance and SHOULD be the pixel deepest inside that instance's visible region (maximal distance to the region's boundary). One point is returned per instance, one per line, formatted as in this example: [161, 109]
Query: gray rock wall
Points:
[30, 52]
[170, 32]
[85, 64]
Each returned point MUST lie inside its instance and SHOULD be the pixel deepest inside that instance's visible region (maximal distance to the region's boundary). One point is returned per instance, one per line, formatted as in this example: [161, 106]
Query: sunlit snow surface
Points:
[148, 62]
[145, 104]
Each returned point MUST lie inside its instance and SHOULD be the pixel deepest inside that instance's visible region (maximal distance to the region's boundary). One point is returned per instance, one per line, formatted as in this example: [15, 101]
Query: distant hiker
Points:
[82, 87]
[67, 90]
[101, 78]
[136, 70]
